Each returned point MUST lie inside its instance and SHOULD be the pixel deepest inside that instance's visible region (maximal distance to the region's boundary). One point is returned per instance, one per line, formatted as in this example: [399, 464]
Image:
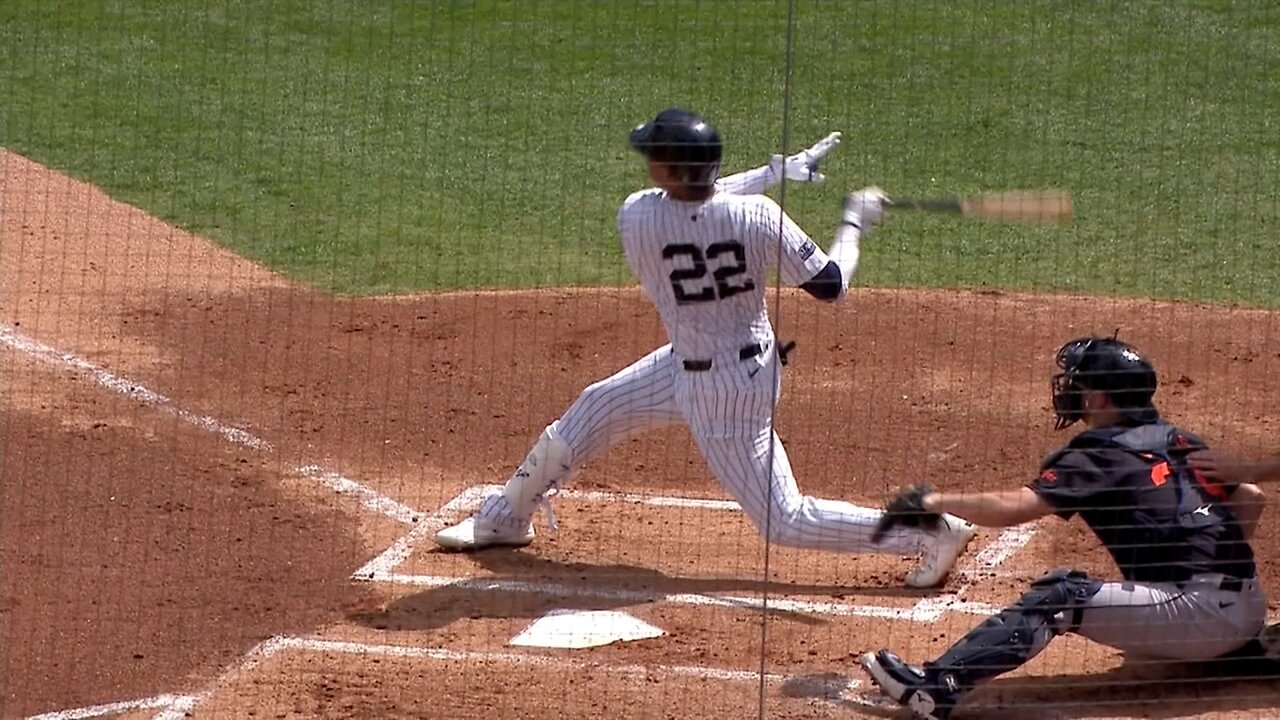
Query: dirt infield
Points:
[215, 487]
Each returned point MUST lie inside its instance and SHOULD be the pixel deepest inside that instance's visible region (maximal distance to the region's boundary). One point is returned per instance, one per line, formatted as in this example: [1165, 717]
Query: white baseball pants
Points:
[728, 409]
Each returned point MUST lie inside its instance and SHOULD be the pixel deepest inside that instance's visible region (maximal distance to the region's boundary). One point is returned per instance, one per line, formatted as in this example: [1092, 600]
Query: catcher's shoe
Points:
[942, 551]
[473, 534]
[1269, 640]
[906, 685]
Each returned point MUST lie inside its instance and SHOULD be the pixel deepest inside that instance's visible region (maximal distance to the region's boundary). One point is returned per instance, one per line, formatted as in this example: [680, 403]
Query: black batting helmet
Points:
[684, 139]
[1107, 365]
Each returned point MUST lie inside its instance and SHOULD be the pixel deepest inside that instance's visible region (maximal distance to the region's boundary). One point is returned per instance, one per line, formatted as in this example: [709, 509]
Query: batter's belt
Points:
[745, 353]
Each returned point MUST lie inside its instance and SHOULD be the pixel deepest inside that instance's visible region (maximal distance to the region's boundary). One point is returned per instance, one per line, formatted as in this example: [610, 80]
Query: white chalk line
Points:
[514, 658]
[654, 500]
[126, 387]
[370, 499]
[321, 645]
[367, 497]
[401, 549]
[984, 564]
[250, 660]
[638, 597]
[382, 569]
[176, 706]
[115, 708]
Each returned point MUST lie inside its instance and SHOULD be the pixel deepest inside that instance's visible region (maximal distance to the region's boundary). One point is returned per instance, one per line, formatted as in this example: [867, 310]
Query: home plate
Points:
[584, 628]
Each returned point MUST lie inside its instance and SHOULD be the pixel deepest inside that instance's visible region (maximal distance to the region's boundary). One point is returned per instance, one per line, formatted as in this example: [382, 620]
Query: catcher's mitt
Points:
[906, 508]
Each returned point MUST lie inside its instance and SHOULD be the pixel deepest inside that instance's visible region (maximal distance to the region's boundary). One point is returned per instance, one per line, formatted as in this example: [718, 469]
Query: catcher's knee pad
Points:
[1061, 597]
[1003, 642]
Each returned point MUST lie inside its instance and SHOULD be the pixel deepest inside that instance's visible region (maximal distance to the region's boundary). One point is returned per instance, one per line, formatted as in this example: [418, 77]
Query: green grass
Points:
[388, 146]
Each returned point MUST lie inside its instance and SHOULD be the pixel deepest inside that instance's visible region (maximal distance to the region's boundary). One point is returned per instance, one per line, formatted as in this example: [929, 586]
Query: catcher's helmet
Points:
[1107, 365]
[684, 139]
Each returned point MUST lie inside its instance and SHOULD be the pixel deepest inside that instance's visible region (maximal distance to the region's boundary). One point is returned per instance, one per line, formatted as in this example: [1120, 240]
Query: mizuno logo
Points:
[1203, 510]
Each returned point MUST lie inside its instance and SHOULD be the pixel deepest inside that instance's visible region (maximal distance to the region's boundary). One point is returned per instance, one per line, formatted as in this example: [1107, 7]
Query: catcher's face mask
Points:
[1068, 393]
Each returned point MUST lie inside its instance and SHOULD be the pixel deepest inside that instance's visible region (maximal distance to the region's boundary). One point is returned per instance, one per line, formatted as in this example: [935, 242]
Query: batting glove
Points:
[803, 166]
[864, 208]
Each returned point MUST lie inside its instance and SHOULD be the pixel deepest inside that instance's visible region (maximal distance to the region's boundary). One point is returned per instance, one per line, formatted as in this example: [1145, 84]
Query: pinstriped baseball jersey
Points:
[705, 265]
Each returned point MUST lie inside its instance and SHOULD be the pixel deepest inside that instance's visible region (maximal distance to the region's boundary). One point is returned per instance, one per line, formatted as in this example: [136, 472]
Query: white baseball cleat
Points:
[471, 535]
[905, 685]
[944, 548]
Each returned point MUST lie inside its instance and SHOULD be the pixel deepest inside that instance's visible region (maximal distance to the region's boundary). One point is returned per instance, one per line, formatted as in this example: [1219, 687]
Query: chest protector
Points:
[1167, 522]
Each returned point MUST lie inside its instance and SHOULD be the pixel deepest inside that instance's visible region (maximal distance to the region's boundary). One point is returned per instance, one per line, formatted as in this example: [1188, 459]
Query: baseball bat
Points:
[1036, 206]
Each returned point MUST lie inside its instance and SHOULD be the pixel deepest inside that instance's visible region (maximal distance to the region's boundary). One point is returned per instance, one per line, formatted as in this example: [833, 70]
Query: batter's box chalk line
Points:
[383, 567]
[116, 708]
[368, 498]
[175, 707]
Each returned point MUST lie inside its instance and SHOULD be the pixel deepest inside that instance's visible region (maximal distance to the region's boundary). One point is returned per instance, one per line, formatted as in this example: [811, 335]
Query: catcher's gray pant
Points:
[1197, 620]
[1201, 619]
[728, 409]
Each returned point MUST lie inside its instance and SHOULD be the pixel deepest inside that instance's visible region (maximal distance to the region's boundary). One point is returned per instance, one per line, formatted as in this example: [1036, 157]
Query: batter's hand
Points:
[803, 166]
[1221, 468]
[865, 207]
[906, 509]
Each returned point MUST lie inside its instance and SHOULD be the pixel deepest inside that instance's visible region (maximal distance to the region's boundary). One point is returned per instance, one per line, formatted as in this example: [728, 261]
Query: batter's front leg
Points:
[757, 472]
[634, 400]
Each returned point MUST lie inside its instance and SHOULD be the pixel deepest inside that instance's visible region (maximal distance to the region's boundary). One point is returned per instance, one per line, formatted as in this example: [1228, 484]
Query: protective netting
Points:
[287, 288]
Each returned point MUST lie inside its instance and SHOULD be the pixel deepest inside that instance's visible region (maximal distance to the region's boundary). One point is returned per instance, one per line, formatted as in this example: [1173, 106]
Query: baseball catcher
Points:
[1180, 539]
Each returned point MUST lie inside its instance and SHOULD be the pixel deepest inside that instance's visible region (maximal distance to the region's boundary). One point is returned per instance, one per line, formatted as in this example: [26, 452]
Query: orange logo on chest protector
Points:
[1160, 474]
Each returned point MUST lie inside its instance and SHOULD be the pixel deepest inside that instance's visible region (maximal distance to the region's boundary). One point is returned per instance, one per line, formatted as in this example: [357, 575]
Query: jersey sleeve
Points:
[630, 221]
[1070, 482]
[798, 259]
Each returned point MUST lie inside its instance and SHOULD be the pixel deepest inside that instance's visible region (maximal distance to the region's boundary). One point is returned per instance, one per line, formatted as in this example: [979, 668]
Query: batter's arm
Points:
[1247, 503]
[801, 167]
[828, 285]
[748, 182]
[1004, 508]
[1224, 469]
[861, 211]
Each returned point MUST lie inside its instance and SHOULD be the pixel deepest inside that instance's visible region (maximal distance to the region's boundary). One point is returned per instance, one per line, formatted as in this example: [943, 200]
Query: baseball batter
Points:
[703, 250]
[1180, 539]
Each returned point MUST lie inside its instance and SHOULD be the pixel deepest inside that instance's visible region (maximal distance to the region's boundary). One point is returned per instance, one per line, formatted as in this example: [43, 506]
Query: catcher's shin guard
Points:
[1005, 641]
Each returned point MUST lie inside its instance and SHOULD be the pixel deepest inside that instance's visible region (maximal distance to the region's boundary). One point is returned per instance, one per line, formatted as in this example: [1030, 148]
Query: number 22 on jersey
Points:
[690, 283]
